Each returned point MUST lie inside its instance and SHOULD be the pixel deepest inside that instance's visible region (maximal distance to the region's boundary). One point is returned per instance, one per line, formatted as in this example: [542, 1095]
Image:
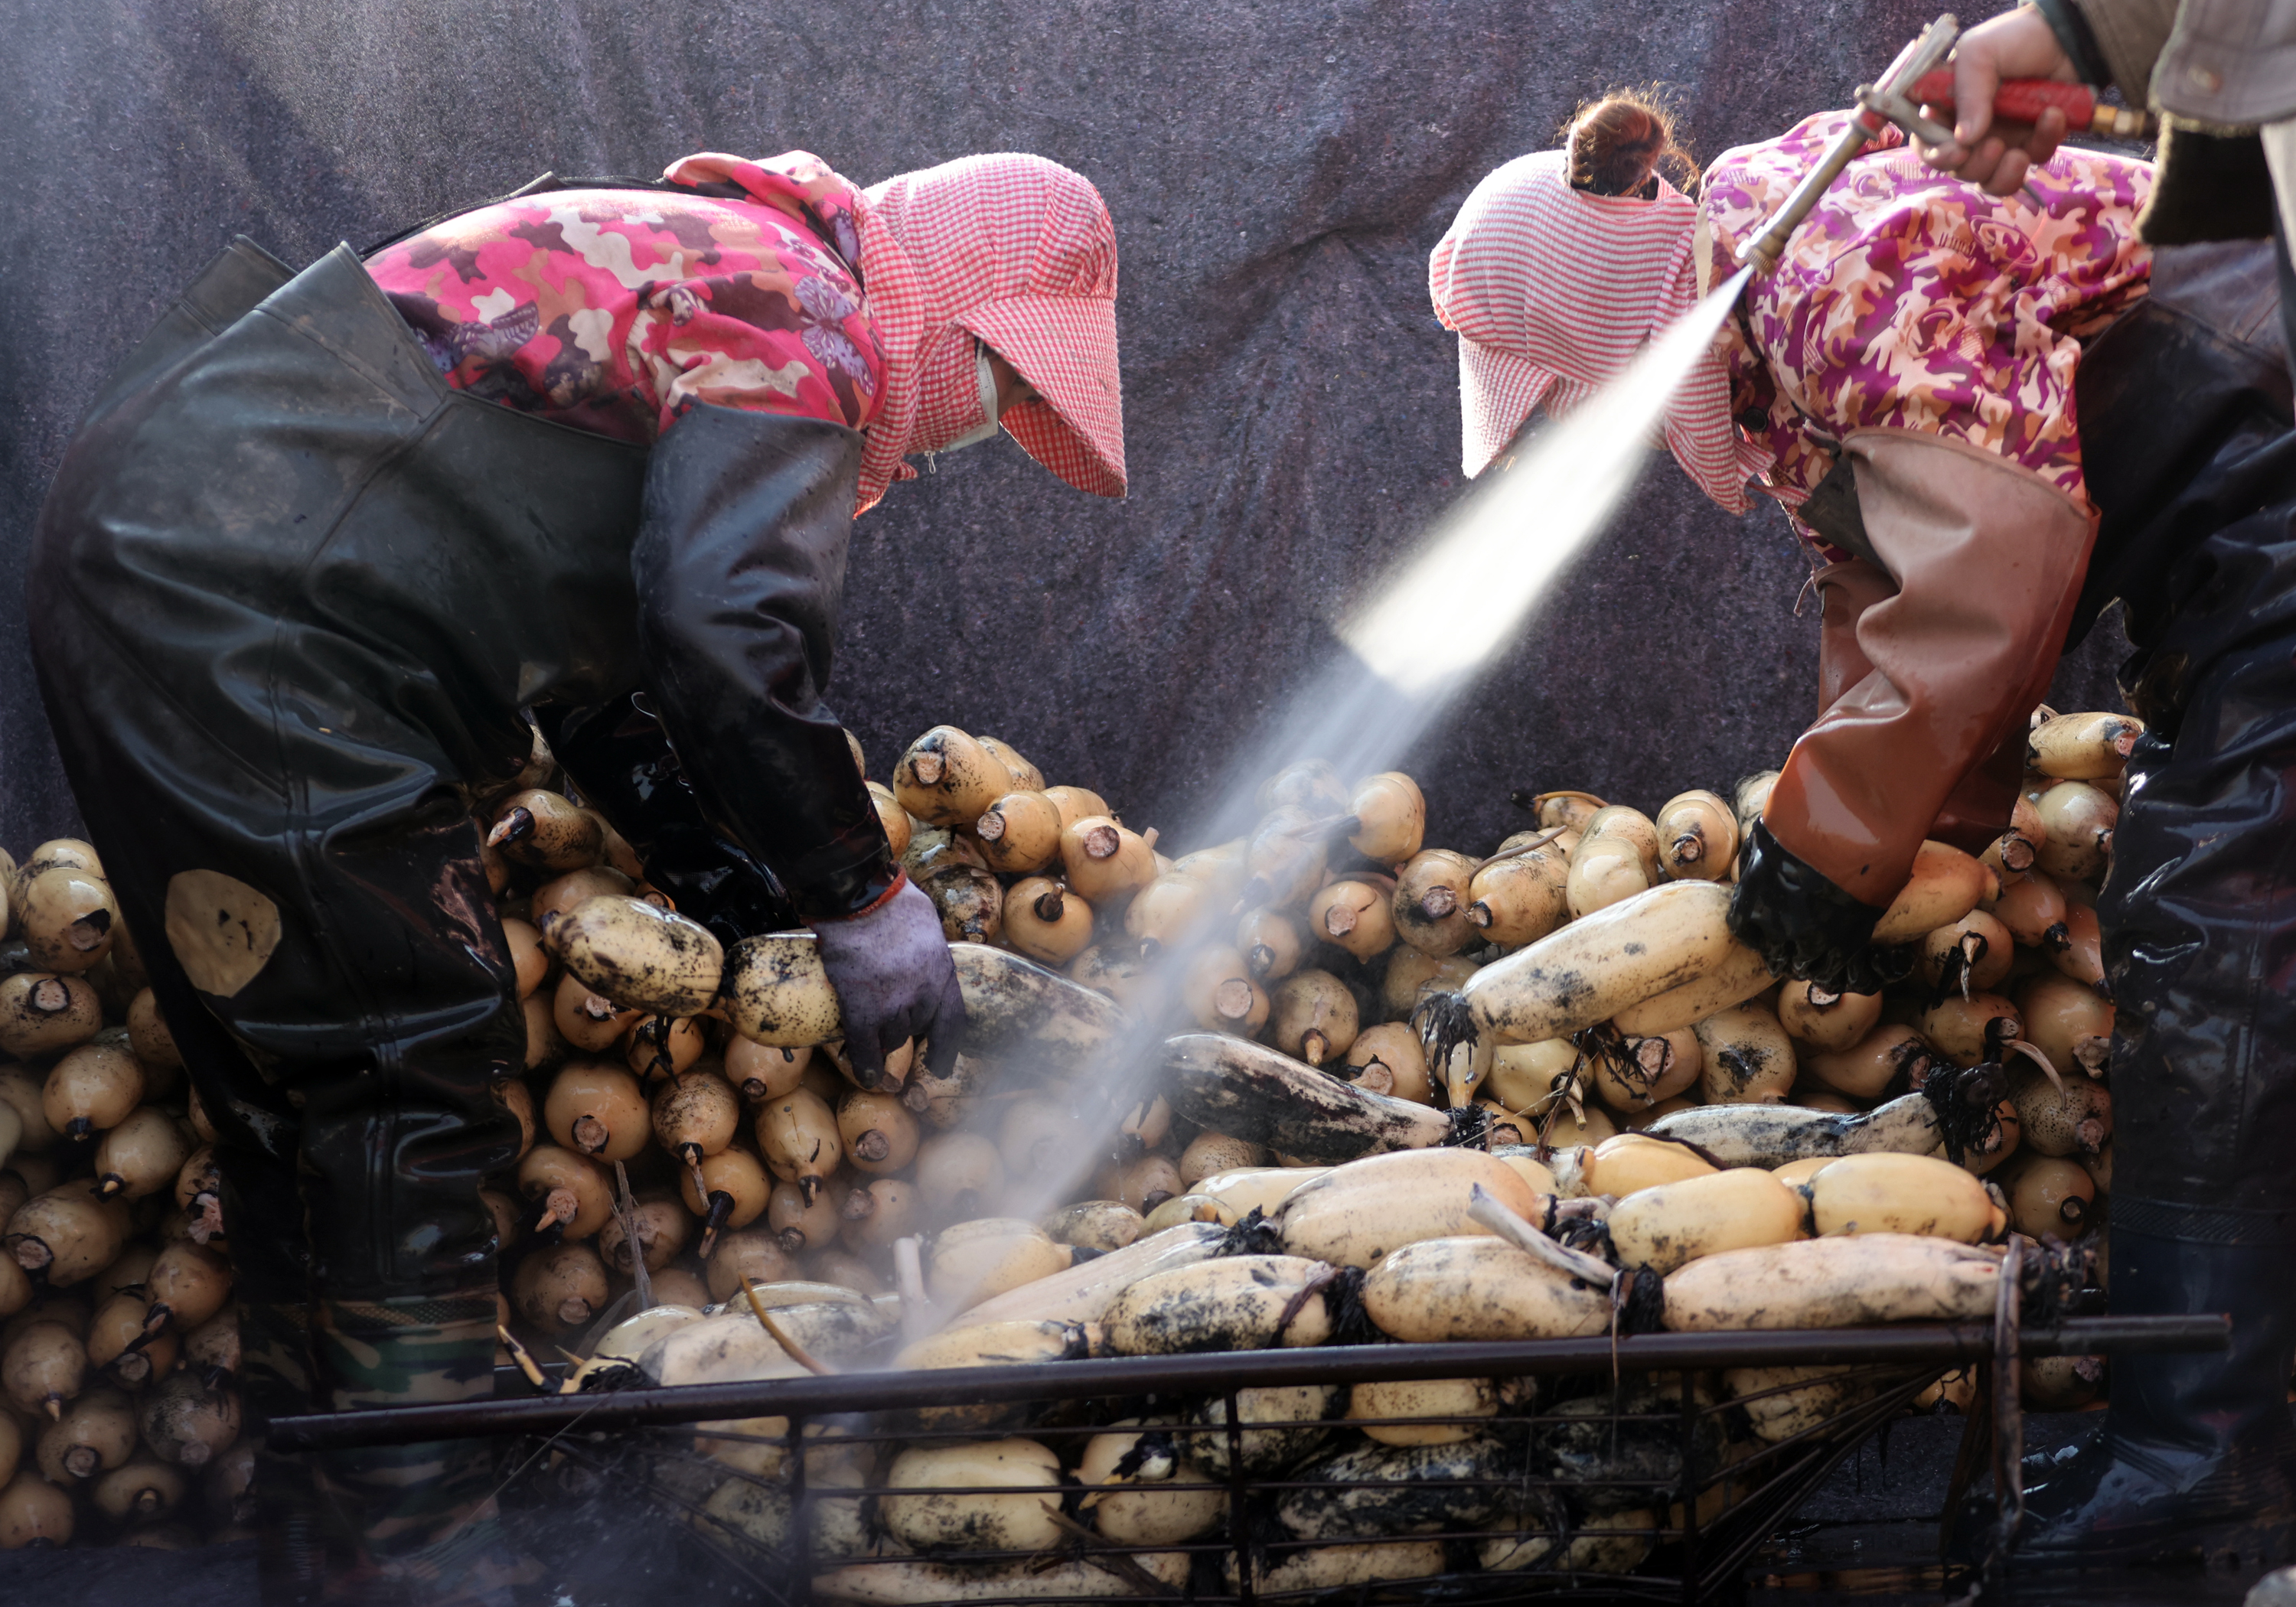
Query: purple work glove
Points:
[894, 980]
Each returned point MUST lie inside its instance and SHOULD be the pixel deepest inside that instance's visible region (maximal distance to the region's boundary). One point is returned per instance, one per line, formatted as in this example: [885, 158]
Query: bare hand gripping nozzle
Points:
[1918, 77]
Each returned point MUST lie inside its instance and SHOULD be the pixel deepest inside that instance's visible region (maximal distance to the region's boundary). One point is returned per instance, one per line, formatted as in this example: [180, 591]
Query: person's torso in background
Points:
[1910, 299]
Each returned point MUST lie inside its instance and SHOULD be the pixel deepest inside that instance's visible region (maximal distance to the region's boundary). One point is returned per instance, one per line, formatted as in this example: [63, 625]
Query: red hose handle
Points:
[2023, 100]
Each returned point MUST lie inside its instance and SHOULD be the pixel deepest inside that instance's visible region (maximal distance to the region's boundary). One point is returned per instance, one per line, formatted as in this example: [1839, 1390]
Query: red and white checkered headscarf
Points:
[1020, 252]
[1554, 290]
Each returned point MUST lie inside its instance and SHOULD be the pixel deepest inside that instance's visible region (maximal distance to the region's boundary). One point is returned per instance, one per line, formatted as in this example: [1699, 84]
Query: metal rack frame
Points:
[1757, 1493]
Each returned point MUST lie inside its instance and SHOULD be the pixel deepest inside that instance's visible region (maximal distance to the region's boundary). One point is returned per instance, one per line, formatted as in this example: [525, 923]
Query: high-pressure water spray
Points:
[1463, 596]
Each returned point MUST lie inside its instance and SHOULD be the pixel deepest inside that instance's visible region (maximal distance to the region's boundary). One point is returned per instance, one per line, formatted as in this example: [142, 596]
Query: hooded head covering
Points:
[1013, 250]
[1554, 290]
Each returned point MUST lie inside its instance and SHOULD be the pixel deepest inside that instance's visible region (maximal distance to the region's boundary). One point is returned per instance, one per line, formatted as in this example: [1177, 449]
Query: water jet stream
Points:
[1435, 621]
[1430, 625]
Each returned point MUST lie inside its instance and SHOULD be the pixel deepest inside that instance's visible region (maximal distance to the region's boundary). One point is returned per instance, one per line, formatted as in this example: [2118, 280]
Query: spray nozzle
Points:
[1879, 104]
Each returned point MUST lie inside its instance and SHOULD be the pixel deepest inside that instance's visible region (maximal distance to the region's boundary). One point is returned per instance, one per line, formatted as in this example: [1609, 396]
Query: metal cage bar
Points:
[1939, 1344]
[1648, 1523]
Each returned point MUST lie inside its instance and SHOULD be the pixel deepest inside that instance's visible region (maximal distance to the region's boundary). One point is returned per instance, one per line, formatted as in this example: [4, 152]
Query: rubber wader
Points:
[2184, 410]
[1977, 811]
[2186, 415]
[1933, 655]
[289, 597]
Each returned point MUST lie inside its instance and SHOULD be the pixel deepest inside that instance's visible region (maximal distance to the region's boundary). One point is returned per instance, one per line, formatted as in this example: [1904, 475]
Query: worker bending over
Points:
[1990, 415]
[323, 545]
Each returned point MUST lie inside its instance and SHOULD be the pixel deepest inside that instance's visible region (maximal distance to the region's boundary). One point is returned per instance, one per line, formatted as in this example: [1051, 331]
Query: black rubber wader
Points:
[2185, 413]
[288, 597]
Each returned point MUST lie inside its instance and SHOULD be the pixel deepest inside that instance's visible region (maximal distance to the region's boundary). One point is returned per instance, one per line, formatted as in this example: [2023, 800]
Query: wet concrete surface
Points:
[129, 1576]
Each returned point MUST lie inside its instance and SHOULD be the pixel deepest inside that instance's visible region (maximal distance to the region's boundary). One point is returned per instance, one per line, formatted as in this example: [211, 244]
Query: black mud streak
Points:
[1396, 1490]
[1756, 1135]
[1540, 990]
[1014, 1004]
[1573, 988]
[1682, 976]
[1322, 1142]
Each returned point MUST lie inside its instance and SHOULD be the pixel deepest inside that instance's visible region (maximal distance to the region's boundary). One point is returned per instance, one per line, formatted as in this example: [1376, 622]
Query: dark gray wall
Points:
[1278, 170]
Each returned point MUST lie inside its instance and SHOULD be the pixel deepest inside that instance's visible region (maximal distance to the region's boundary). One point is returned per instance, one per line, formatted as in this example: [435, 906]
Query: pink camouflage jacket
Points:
[613, 311]
[1911, 300]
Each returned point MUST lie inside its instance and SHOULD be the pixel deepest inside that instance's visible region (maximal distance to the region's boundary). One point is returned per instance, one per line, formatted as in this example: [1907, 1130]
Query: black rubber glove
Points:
[1805, 927]
[890, 969]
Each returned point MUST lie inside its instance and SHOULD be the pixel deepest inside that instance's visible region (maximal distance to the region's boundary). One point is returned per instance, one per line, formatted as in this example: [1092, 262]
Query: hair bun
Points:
[1619, 141]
